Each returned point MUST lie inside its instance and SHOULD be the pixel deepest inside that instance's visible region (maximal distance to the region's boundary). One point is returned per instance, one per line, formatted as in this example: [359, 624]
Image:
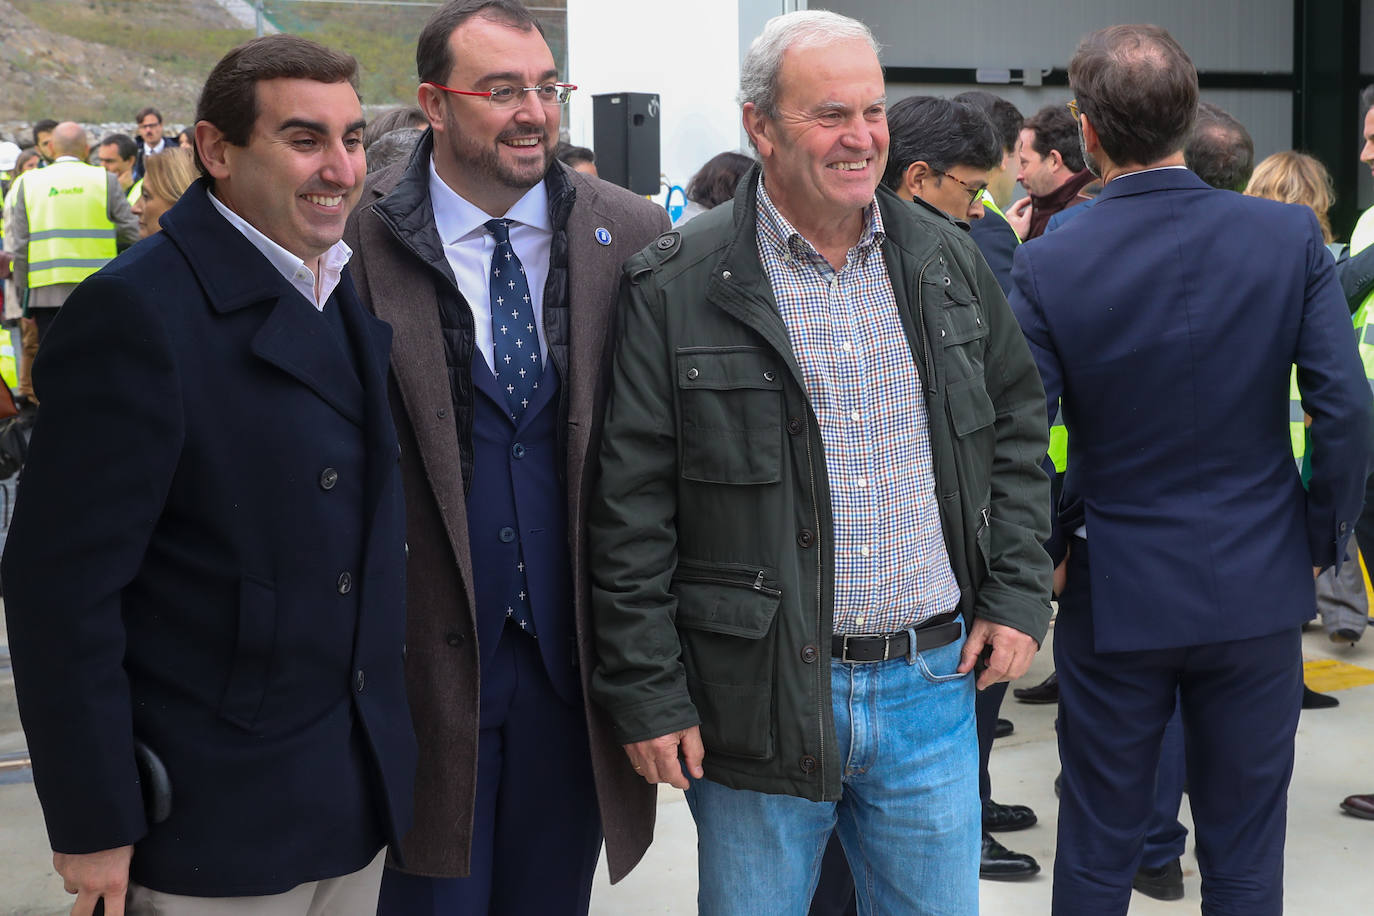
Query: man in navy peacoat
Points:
[208, 551]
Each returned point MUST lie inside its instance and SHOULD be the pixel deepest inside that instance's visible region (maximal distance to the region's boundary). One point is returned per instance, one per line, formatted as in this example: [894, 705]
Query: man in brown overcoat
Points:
[497, 268]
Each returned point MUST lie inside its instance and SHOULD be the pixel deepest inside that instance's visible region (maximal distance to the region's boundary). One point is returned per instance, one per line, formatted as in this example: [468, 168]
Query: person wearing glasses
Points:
[820, 514]
[1167, 318]
[497, 266]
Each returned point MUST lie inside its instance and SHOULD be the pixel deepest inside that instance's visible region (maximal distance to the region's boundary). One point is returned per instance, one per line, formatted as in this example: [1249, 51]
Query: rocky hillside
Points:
[99, 60]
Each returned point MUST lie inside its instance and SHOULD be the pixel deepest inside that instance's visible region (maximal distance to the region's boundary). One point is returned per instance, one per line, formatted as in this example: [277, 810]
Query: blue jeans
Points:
[909, 817]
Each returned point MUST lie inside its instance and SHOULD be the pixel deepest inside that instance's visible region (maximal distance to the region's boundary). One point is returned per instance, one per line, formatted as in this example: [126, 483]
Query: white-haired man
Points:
[817, 510]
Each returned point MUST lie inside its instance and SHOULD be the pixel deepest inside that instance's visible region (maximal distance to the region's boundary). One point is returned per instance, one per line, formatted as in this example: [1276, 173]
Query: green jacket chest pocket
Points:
[963, 335]
[730, 415]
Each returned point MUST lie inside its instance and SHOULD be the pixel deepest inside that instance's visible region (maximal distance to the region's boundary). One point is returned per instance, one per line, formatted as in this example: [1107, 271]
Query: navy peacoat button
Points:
[328, 477]
[345, 583]
[517, 450]
[506, 535]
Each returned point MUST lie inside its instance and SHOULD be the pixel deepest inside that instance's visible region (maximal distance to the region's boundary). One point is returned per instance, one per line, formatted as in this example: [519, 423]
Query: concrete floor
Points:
[1330, 860]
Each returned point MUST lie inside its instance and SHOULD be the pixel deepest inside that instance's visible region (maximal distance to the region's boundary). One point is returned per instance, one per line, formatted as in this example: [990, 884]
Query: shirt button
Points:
[345, 583]
[358, 680]
[854, 415]
[517, 450]
[328, 477]
[863, 551]
[846, 346]
[860, 619]
[861, 483]
[506, 535]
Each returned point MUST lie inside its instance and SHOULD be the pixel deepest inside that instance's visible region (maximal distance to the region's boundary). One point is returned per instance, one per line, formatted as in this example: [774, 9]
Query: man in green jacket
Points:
[820, 506]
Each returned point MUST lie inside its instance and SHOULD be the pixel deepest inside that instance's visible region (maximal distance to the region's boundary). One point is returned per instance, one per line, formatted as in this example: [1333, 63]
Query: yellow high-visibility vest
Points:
[70, 233]
[9, 369]
[1360, 239]
[135, 192]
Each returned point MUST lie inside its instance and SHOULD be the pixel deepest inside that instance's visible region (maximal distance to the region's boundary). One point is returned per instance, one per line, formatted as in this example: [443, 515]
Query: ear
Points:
[759, 128]
[1092, 143]
[1055, 160]
[914, 178]
[212, 147]
[431, 102]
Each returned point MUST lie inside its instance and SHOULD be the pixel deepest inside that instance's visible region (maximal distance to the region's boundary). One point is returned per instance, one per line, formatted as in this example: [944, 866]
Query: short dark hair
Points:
[144, 112]
[939, 132]
[1367, 99]
[393, 119]
[715, 182]
[571, 155]
[229, 99]
[1006, 118]
[1219, 150]
[1138, 89]
[44, 126]
[1055, 129]
[124, 144]
[433, 59]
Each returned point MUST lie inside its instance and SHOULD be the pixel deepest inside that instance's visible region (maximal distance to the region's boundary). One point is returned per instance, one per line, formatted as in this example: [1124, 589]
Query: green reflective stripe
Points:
[72, 234]
[58, 263]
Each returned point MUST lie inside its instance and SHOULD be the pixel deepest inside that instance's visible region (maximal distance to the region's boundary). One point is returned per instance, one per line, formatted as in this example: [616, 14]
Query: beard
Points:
[1088, 161]
[487, 162]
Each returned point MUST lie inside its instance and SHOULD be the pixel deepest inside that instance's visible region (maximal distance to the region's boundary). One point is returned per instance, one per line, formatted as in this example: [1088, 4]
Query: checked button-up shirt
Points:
[892, 569]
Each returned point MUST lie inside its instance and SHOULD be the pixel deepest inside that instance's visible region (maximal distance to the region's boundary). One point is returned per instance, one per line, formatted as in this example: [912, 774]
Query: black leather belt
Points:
[879, 647]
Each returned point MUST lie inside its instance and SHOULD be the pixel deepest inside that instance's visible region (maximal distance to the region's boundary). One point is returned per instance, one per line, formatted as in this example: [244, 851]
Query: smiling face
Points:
[825, 152]
[492, 156]
[302, 170]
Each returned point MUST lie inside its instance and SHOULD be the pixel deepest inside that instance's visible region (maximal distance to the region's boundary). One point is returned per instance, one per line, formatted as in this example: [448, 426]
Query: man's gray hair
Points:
[758, 74]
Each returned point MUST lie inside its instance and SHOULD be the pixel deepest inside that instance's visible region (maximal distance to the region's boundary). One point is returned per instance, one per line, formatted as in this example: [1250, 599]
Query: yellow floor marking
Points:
[1324, 675]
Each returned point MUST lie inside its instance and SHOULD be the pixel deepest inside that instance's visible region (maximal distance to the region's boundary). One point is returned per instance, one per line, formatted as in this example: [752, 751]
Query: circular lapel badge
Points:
[603, 235]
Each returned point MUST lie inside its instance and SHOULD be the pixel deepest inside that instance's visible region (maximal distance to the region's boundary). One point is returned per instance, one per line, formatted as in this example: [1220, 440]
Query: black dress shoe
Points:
[1005, 818]
[1313, 700]
[1165, 883]
[1001, 864]
[1360, 806]
[1004, 727]
[1047, 691]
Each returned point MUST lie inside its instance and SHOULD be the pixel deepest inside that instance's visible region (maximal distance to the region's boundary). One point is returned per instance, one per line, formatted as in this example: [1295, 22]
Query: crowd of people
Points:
[406, 503]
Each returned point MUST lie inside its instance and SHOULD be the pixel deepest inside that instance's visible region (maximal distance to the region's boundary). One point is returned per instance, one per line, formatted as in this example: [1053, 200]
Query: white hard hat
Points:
[9, 155]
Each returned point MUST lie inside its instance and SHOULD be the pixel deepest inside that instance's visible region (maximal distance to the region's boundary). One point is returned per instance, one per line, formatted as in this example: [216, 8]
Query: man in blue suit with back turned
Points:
[1167, 319]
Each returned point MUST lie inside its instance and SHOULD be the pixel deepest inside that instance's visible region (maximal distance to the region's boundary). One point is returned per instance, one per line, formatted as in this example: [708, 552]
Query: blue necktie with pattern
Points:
[515, 341]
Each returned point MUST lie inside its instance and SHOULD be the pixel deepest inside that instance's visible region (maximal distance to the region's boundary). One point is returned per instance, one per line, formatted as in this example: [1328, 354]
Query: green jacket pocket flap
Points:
[733, 610]
[728, 368]
[970, 408]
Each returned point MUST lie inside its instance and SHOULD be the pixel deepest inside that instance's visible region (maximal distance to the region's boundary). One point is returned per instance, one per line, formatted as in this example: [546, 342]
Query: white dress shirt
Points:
[332, 262]
[469, 247]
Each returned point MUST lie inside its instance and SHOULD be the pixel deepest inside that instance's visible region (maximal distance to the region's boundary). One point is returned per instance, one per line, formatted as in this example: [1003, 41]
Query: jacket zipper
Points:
[757, 583]
[921, 328]
[820, 578]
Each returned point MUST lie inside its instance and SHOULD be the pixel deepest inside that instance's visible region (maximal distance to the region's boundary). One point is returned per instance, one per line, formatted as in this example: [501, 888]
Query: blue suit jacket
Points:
[208, 553]
[1168, 317]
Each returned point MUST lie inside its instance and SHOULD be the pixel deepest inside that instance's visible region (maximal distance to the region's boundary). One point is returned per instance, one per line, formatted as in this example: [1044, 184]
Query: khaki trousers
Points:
[347, 895]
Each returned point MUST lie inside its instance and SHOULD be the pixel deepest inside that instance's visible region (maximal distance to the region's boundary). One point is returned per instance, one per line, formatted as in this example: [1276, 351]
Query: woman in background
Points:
[168, 175]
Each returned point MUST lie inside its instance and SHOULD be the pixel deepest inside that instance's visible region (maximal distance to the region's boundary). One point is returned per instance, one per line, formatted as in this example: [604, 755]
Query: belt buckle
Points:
[887, 648]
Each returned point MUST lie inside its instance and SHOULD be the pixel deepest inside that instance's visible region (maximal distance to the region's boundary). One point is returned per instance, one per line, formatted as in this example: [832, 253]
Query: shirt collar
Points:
[777, 231]
[455, 217]
[332, 262]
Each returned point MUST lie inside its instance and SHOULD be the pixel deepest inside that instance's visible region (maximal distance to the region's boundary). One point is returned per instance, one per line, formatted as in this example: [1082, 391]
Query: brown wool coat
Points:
[442, 656]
